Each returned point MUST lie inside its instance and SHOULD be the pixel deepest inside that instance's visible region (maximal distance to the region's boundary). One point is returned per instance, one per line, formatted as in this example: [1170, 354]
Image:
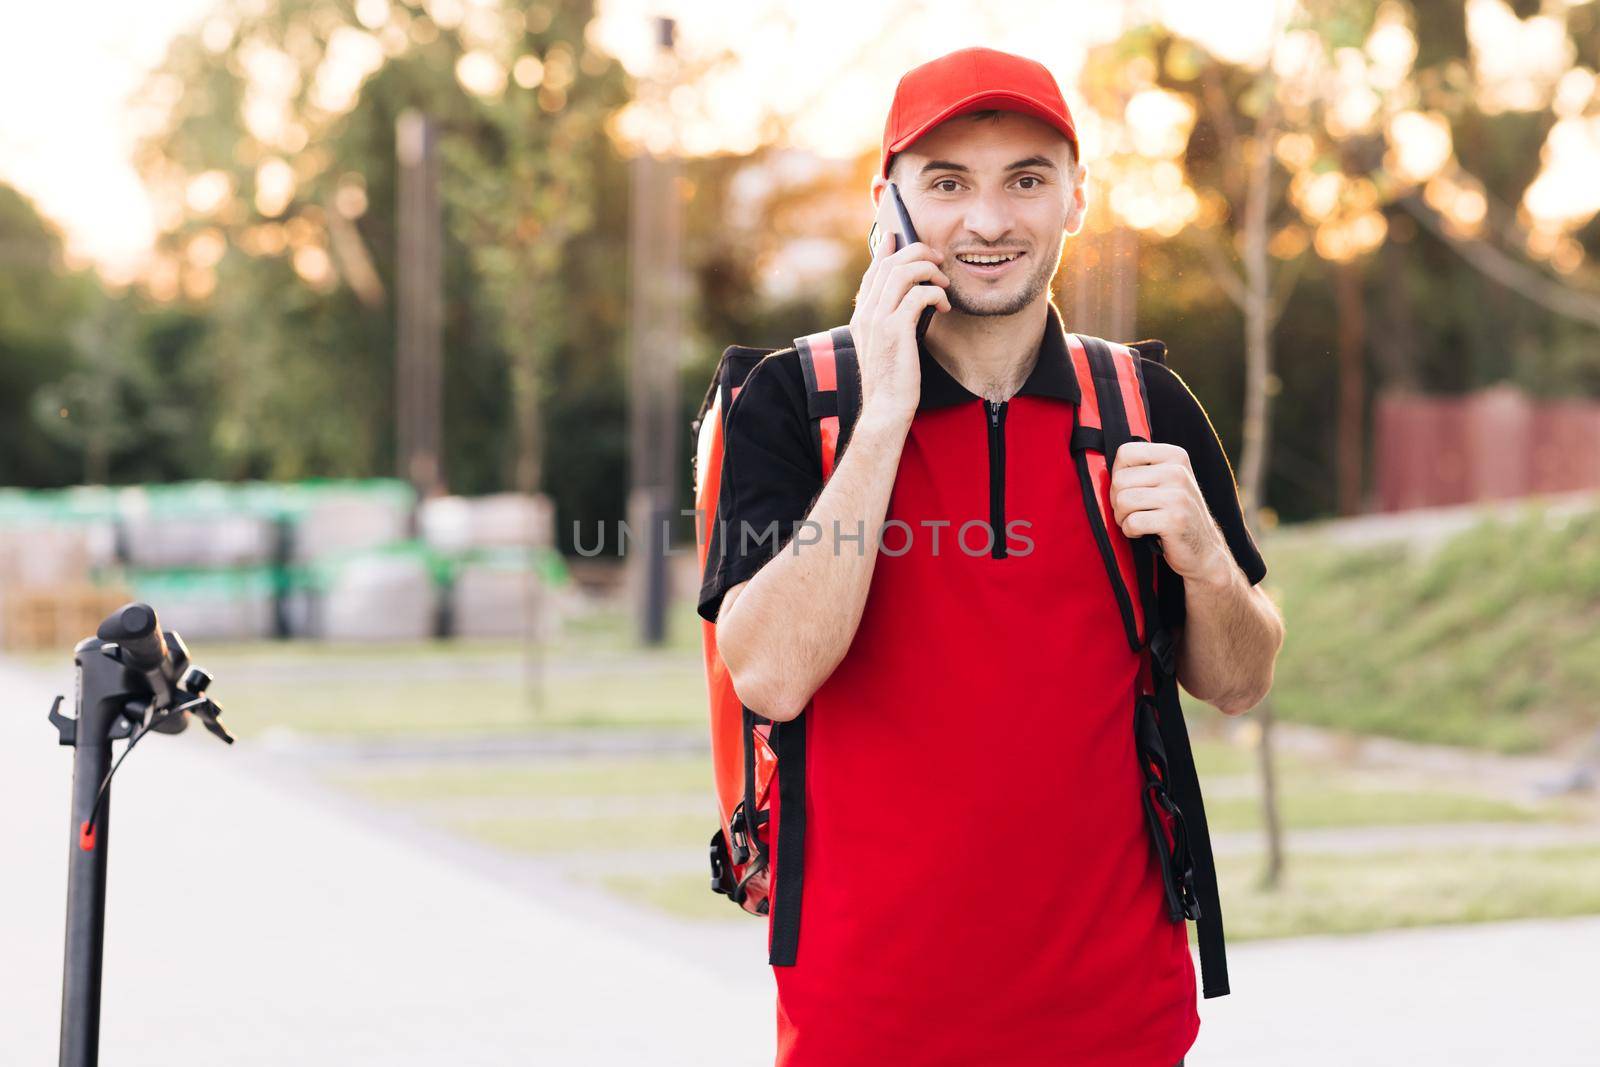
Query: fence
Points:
[1495, 444]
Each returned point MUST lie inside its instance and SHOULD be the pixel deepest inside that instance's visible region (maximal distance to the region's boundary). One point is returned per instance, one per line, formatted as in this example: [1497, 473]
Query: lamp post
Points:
[655, 344]
[420, 304]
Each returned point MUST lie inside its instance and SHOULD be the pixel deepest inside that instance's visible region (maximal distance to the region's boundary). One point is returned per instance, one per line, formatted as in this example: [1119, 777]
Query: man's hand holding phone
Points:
[898, 285]
[803, 605]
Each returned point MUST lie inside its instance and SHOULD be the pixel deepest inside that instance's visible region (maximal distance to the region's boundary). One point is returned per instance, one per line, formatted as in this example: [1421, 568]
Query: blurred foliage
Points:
[300, 315]
[38, 305]
[262, 343]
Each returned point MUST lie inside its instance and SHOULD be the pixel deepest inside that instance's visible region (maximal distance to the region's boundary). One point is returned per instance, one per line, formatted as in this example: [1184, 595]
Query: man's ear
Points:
[1077, 202]
[879, 184]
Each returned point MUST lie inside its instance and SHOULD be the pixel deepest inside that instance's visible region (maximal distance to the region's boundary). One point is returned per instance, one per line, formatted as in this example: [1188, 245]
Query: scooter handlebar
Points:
[137, 632]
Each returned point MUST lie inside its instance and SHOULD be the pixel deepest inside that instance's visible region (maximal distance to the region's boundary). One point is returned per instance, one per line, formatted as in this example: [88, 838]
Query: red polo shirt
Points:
[979, 886]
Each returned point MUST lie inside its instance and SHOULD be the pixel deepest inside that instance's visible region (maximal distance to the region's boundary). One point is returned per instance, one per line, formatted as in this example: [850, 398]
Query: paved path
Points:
[1469, 996]
[1427, 528]
[256, 920]
[254, 924]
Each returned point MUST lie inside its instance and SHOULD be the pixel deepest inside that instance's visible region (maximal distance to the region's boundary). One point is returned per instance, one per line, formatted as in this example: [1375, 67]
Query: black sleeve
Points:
[771, 476]
[1177, 418]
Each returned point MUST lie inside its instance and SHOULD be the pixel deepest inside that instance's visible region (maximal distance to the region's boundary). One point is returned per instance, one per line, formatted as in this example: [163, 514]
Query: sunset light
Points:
[788, 78]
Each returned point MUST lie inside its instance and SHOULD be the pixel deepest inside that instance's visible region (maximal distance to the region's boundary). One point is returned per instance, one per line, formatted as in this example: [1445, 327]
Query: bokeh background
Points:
[344, 332]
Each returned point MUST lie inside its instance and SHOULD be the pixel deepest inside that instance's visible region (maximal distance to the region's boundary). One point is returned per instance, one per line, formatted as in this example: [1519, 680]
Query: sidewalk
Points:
[253, 921]
[1487, 995]
[248, 924]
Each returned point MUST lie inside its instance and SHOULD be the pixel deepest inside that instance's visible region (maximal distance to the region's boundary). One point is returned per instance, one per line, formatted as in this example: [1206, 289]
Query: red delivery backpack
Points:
[759, 764]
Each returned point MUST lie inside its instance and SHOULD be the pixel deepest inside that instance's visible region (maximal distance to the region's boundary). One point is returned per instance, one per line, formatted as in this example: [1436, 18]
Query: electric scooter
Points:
[132, 678]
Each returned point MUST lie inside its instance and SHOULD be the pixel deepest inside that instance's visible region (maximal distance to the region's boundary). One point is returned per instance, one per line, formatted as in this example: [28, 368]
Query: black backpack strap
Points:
[789, 873]
[849, 388]
[833, 402]
[1184, 786]
[1190, 874]
[746, 842]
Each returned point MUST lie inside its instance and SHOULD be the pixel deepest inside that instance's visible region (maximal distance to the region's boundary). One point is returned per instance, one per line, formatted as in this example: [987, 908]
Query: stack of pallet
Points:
[354, 560]
[239, 562]
[497, 548]
[202, 558]
[48, 600]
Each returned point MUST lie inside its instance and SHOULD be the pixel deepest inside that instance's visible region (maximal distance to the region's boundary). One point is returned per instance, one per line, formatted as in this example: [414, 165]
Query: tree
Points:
[1317, 145]
[39, 304]
[272, 159]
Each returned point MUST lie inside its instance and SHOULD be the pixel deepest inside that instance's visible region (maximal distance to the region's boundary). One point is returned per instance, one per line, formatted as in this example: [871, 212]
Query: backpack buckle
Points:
[722, 880]
[1191, 903]
[1164, 651]
[1190, 900]
[739, 835]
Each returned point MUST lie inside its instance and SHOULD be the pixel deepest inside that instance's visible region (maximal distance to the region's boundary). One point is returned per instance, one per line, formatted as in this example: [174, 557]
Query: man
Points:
[979, 885]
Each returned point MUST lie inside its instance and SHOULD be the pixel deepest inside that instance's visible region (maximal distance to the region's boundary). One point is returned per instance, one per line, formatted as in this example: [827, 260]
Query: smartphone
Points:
[893, 220]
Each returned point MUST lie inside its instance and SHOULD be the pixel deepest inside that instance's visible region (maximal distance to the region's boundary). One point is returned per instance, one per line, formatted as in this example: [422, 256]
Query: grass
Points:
[650, 805]
[1326, 894]
[588, 777]
[1492, 640]
[1217, 758]
[642, 776]
[592, 675]
[642, 830]
[1317, 806]
[1322, 894]
[682, 896]
[668, 693]
[1313, 809]
[1314, 793]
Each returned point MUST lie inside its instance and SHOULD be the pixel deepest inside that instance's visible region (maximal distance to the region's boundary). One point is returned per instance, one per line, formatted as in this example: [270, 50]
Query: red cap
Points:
[973, 79]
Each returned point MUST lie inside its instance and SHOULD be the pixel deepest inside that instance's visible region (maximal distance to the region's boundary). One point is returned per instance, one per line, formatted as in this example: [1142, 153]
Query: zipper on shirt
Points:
[997, 475]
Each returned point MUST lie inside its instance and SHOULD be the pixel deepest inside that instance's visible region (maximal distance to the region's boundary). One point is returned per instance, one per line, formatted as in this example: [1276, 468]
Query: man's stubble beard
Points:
[1037, 282]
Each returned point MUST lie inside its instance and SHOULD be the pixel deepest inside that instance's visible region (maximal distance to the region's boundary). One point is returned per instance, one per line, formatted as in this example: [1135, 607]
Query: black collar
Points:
[1052, 373]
